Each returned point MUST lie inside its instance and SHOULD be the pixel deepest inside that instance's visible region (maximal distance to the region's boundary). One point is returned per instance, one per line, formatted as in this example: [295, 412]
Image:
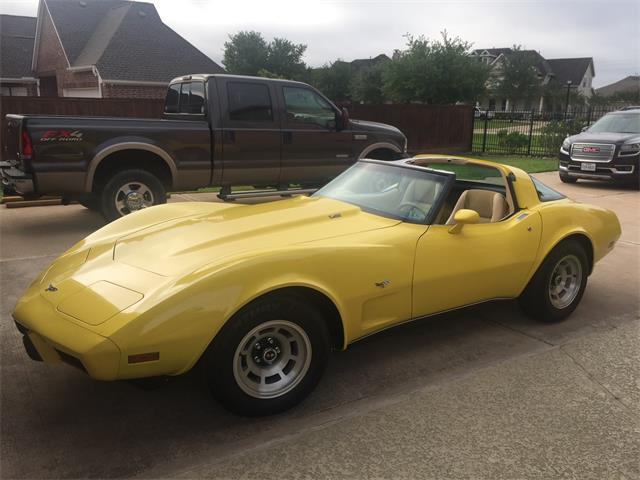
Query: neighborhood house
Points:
[572, 74]
[97, 49]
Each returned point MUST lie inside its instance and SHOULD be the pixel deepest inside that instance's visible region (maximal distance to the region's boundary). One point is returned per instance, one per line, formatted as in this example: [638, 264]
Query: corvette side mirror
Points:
[463, 217]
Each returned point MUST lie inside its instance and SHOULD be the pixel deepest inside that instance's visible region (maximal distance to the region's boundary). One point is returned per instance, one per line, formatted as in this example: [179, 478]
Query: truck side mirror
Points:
[342, 121]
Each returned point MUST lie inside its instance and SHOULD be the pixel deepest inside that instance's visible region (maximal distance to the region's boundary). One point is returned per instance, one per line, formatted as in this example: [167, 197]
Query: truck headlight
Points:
[566, 145]
[630, 149]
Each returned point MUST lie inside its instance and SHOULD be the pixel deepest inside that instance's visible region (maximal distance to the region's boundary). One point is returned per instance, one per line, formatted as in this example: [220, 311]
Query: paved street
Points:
[480, 393]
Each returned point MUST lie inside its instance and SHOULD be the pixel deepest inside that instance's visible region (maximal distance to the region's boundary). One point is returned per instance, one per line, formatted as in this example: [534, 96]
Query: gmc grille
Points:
[592, 152]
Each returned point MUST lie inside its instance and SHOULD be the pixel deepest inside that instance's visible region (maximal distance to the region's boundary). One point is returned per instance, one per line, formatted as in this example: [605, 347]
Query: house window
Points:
[14, 91]
[49, 86]
[503, 104]
[492, 104]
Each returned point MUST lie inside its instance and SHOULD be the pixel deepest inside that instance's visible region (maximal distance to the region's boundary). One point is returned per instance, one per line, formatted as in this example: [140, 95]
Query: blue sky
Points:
[609, 31]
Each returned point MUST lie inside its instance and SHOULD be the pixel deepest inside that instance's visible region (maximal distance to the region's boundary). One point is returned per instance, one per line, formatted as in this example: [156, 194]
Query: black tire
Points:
[132, 177]
[223, 353]
[536, 300]
[385, 154]
[91, 203]
[567, 179]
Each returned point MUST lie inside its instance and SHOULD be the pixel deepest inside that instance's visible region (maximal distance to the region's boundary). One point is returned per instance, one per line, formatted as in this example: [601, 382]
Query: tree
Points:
[334, 80]
[367, 85]
[284, 58]
[248, 53]
[518, 76]
[435, 72]
[245, 53]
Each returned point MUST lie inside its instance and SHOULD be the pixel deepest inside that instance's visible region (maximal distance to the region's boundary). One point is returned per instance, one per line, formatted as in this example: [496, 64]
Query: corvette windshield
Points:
[391, 191]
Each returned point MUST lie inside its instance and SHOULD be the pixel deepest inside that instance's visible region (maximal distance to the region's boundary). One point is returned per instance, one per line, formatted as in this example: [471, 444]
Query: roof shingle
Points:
[17, 35]
[126, 40]
[570, 69]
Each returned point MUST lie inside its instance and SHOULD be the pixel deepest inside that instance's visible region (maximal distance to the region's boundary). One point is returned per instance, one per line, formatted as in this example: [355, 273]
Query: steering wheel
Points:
[410, 208]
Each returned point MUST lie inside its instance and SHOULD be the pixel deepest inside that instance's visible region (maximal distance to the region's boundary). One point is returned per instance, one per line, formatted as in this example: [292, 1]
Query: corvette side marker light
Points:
[144, 357]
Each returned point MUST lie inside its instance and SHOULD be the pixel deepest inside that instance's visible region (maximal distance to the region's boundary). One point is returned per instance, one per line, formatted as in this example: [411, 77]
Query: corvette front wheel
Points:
[268, 357]
[557, 287]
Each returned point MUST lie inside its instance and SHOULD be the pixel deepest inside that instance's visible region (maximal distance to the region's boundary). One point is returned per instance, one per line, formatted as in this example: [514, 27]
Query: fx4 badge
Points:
[61, 136]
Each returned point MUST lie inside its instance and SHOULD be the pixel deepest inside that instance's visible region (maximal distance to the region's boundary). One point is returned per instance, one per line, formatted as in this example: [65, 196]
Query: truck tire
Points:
[567, 179]
[130, 190]
[91, 203]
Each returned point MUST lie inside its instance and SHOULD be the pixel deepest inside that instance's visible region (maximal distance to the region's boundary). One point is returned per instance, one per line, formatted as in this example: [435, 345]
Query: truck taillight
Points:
[26, 146]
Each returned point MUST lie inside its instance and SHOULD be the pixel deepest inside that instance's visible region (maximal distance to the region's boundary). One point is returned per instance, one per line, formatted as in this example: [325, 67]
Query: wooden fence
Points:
[86, 107]
[429, 128]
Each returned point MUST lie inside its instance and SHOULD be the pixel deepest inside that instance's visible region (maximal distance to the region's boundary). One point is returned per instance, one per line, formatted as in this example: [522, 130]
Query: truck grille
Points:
[593, 152]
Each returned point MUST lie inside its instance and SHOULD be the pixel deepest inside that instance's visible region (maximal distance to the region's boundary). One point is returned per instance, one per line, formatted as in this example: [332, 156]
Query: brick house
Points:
[109, 49]
[576, 74]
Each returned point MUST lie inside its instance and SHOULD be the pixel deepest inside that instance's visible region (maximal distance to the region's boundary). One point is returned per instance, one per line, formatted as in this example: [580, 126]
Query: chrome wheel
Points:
[272, 359]
[133, 196]
[565, 281]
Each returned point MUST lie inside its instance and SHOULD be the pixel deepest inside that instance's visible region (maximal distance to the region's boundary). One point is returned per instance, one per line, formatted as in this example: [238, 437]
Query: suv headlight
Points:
[566, 145]
[630, 149]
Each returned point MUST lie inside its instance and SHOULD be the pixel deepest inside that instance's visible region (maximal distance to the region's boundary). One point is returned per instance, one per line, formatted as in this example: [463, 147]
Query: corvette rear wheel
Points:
[268, 357]
[556, 289]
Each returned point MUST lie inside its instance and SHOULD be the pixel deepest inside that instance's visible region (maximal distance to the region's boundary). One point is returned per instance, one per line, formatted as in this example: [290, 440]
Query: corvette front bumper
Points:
[56, 338]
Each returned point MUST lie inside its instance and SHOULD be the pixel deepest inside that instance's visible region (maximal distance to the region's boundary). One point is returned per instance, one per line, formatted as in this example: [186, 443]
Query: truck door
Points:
[313, 150]
[251, 140]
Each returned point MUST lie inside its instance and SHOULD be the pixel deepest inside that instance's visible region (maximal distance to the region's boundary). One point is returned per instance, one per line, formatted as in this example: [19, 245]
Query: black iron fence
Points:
[530, 132]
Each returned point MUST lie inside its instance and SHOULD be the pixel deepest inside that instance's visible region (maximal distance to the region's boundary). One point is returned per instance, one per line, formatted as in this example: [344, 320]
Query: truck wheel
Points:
[567, 179]
[131, 190]
[555, 290]
[268, 357]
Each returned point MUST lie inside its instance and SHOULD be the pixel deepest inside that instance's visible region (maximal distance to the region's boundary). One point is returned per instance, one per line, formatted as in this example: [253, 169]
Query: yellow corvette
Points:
[258, 295]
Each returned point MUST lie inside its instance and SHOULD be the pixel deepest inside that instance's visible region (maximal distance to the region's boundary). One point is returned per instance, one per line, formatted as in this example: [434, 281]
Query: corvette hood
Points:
[183, 244]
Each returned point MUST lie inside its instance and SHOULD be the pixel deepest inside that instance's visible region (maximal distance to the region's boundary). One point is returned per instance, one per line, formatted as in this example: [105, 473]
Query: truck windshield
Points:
[617, 123]
[390, 191]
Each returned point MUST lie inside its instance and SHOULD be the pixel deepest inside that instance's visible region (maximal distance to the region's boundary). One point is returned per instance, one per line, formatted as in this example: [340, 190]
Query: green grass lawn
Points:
[528, 164]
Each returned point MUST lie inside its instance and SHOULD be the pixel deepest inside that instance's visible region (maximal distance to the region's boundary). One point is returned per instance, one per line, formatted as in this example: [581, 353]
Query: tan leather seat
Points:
[491, 206]
[421, 194]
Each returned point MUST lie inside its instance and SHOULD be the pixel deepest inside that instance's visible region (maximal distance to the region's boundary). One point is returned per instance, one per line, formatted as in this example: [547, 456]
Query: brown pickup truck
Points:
[217, 130]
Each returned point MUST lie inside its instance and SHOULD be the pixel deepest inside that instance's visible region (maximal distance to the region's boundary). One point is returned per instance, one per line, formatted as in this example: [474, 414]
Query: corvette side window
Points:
[545, 194]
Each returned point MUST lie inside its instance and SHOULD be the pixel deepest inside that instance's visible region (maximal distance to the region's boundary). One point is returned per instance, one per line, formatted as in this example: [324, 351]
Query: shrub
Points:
[554, 132]
[513, 141]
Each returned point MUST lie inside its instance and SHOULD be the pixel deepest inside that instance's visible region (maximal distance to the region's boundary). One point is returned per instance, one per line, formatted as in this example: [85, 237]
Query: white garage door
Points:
[81, 92]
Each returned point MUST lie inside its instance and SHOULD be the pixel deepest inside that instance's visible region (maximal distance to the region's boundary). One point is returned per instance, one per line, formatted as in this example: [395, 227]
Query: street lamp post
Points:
[566, 103]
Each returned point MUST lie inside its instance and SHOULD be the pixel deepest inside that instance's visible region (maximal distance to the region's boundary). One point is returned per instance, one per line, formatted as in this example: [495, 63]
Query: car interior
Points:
[401, 193]
[477, 187]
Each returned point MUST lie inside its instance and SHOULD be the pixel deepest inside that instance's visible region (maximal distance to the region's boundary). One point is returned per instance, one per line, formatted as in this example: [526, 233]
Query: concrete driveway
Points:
[481, 393]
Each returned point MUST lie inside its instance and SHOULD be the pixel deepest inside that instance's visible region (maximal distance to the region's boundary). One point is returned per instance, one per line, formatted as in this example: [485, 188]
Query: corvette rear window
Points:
[546, 194]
